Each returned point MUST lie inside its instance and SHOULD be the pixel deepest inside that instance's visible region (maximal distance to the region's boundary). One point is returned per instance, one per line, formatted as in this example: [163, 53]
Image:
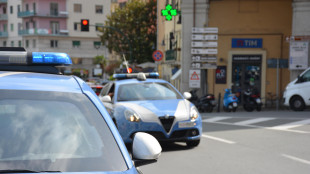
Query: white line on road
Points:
[292, 125]
[214, 119]
[268, 128]
[252, 121]
[296, 159]
[218, 139]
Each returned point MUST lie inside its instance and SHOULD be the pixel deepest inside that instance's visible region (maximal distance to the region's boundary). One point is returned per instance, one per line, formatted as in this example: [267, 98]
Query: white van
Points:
[297, 92]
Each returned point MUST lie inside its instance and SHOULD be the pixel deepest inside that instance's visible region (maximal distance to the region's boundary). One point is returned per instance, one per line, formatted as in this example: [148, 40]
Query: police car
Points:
[55, 123]
[140, 102]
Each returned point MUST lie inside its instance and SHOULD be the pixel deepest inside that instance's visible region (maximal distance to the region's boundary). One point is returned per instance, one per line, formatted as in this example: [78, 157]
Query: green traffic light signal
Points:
[169, 12]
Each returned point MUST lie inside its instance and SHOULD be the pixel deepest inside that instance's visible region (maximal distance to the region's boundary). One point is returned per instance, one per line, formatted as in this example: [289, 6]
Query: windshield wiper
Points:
[25, 171]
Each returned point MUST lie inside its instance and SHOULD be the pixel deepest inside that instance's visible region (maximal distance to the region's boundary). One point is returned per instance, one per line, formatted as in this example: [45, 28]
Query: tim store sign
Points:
[247, 43]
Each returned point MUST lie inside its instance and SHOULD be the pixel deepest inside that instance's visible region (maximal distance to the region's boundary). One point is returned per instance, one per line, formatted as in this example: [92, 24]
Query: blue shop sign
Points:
[246, 43]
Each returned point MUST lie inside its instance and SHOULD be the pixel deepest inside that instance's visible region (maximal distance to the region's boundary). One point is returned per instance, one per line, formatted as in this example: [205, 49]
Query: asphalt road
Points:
[266, 142]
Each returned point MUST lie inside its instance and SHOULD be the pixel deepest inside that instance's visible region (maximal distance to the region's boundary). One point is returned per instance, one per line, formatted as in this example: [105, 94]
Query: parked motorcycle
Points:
[230, 101]
[205, 103]
[252, 100]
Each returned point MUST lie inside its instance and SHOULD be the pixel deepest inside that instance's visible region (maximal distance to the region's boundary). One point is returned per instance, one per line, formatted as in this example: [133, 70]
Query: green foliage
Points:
[101, 60]
[132, 28]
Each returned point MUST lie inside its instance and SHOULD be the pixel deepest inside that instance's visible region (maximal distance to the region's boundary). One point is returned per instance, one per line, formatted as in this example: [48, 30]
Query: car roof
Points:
[128, 81]
[43, 82]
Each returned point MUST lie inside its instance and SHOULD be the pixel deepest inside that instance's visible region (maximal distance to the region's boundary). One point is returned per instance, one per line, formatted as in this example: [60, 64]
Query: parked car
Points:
[56, 123]
[154, 106]
[297, 92]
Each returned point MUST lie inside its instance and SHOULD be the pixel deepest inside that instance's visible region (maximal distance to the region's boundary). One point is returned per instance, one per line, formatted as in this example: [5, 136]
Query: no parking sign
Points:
[158, 55]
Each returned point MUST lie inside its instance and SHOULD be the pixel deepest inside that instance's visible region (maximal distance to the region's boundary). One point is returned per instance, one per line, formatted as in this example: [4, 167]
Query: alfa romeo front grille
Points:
[167, 122]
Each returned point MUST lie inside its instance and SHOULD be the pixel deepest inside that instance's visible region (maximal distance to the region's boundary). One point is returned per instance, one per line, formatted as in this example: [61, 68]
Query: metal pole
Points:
[277, 90]
[219, 103]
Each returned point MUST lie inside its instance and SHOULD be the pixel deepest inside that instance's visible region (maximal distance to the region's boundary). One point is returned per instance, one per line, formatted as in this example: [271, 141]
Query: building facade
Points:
[253, 36]
[54, 26]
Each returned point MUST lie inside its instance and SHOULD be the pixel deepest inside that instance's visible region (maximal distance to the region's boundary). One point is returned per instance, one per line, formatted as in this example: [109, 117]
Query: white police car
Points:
[55, 123]
[154, 106]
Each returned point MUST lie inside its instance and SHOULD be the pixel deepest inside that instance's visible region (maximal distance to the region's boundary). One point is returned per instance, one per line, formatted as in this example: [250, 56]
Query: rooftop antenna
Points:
[126, 63]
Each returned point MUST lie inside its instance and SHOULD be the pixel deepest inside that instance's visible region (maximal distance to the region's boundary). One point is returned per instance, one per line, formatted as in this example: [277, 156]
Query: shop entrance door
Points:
[246, 73]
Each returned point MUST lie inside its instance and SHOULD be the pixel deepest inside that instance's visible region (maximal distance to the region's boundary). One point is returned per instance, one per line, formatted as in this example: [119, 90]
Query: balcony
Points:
[42, 32]
[25, 14]
[4, 34]
[3, 17]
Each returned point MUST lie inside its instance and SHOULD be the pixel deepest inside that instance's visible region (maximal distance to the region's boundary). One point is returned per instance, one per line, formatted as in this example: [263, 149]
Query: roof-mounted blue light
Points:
[139, 76]
[51, 58]
[34, 58]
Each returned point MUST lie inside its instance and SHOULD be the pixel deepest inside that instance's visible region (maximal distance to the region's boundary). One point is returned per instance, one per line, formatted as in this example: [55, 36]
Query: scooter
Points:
[204, 104]
[252, 100]
[230, 101]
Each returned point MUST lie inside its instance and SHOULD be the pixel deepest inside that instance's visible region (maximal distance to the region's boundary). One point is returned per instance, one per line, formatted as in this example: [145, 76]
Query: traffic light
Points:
[84, 25]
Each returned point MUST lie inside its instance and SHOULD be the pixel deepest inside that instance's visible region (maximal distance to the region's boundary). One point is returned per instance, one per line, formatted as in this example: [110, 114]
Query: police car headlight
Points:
[131, 115]
[194, 113]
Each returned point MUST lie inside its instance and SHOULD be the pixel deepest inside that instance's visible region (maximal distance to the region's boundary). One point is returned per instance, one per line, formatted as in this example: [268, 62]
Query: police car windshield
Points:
[147, 91]
[55, 131]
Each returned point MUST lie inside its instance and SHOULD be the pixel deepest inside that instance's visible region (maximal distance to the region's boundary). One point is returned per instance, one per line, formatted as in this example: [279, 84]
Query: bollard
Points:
[219, 103]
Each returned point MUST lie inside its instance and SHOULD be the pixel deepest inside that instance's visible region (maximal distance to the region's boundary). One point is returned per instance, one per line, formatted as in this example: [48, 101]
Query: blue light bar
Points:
[51, 58]
[34, 58]
[136, 75]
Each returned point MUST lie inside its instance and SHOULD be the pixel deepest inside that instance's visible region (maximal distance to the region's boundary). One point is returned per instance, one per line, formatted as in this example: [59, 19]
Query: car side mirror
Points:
[106, 99]
[145, 149]
[187, 95]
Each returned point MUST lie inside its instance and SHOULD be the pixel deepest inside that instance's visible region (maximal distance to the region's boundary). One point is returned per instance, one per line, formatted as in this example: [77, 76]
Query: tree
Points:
[132, 29]
[102, 61]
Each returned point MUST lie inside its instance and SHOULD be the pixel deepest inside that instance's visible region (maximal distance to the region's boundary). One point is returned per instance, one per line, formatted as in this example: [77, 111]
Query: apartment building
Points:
[54, 26]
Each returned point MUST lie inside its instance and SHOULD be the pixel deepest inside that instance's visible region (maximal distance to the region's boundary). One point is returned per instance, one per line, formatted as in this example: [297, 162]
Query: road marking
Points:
[296, 159]
[292, 125]
[252, 121]
[214, 119]
[218, 139]
[269, 128]
[10, 73]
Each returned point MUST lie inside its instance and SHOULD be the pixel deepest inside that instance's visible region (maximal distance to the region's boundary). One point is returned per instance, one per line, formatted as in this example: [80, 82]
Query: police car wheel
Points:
[193, 143]
[297, 104]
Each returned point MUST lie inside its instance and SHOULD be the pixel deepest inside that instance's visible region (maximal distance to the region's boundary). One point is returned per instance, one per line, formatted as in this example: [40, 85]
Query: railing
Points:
[3, 17]
[41, 31]
[4, 34]
[61, 14]
[3, 1]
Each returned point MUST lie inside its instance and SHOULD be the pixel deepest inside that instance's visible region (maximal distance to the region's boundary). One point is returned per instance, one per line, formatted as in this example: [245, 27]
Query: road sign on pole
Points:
[158, 55]
[194, 78]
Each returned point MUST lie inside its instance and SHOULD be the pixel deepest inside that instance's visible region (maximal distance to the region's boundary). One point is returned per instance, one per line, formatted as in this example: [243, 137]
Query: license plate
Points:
[258, 100]
[186, 124]
[235, 104]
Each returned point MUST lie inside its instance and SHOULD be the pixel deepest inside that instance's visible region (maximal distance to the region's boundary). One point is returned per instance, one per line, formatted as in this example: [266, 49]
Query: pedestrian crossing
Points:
[272, 123]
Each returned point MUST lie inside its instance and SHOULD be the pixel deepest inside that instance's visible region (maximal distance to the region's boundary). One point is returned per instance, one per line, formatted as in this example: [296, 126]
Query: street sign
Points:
[204, 37]
[194, 78]
[204, 51]
[158, 55]
[204, 44]
[299, 55]
[205, 30]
